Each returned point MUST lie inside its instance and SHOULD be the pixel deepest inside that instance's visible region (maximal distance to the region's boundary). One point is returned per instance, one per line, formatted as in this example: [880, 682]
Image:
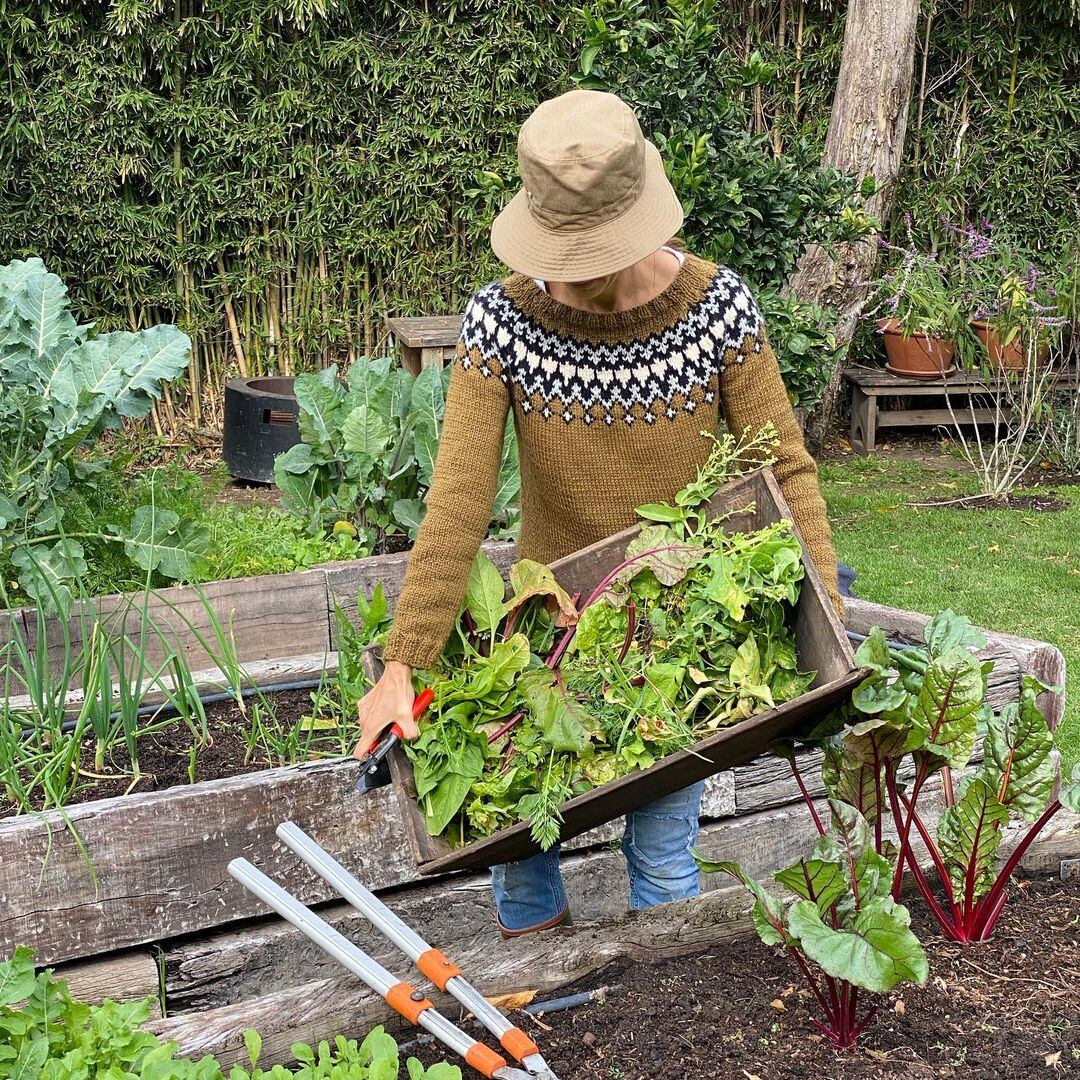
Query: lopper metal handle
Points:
[399, 995]
[432, 963]
[378, 752]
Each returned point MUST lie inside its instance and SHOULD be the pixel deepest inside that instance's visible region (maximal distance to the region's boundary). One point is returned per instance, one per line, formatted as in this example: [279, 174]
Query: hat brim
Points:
[534, 249]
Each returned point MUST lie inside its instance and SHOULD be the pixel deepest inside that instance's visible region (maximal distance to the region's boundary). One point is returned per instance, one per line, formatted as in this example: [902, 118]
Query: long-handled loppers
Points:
[401, 996]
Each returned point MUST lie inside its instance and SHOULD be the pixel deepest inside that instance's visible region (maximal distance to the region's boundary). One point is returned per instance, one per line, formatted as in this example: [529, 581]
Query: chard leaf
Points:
[948, 706]
[1069, 796]
[659, 549]
[879, 693]
[947, 631]
[969, 835]
[873, 653]
[529, 579]
[560, 720]
[1018, 747]
[849, 776]
[484, 594]
[877, 952]
[601, 628]
[814, 879]
[768, 914]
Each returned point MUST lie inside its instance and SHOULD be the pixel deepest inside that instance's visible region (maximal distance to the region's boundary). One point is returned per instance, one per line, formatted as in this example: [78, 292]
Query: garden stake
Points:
[432, 963]
[399, 995]
[370, 765]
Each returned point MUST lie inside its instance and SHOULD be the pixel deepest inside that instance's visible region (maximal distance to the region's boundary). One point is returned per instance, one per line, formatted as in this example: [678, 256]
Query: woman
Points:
[615, 352]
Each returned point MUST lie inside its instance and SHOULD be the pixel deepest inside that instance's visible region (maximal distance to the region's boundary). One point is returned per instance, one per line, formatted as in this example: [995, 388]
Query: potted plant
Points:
[917, 315]
[1014, 306]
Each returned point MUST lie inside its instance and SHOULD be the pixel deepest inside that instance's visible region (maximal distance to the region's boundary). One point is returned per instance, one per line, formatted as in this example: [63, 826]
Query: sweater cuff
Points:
[418, 652]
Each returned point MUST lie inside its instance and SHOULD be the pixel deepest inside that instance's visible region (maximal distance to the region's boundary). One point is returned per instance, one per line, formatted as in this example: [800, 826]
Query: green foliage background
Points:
[307, 166]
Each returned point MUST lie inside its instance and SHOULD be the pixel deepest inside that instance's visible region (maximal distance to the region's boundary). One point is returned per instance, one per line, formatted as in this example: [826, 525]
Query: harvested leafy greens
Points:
[544, 696]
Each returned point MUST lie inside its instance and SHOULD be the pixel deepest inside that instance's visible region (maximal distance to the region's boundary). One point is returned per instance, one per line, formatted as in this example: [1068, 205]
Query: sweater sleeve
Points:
[459, 506]
[752, 395]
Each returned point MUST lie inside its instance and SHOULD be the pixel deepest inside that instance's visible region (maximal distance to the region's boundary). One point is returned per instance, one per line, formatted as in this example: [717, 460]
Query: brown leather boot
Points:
[562, 919]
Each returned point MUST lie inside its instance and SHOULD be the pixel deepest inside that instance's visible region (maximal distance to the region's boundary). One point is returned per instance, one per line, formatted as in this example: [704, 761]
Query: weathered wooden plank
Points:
[538, 962]
[159, 859]
[264, 674]
[126, 976]
[270, 616]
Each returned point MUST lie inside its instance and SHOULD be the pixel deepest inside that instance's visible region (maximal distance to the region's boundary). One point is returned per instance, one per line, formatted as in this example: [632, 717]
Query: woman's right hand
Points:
[389, 701]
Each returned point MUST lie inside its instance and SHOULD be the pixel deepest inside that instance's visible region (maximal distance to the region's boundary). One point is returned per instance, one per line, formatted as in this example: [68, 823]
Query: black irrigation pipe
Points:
[207, 699]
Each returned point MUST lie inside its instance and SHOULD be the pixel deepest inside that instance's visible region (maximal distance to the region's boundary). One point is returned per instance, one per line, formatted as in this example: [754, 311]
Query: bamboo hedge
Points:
[277, 175]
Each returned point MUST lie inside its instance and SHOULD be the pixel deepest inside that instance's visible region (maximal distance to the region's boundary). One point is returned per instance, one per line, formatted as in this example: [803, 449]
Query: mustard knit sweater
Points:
[609, 410]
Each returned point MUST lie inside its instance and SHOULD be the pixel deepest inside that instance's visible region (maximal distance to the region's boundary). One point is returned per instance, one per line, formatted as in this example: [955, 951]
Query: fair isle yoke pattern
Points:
[658, 376]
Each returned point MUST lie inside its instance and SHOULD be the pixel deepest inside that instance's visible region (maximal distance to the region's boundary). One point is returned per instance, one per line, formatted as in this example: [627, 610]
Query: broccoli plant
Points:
[61, 386]
[368, 452]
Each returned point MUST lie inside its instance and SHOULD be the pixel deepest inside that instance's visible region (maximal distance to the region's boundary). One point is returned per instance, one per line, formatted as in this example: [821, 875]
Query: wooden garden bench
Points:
[870, 384]
[425, 340]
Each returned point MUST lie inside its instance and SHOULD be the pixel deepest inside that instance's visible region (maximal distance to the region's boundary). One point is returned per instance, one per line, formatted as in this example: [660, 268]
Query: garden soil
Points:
[1008, 1009]
[165, 754]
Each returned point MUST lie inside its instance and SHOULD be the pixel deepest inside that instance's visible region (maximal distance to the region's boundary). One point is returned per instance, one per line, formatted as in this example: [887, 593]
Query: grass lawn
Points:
[1010, 570]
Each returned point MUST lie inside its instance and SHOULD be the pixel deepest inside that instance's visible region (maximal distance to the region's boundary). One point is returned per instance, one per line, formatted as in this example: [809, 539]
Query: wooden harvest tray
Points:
[822, 646]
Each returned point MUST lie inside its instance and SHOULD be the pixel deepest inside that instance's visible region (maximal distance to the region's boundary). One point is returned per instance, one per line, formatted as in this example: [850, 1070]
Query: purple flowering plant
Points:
[914, 294]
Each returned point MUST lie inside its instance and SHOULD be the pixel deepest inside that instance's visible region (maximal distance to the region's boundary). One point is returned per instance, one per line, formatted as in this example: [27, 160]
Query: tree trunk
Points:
[866, 137]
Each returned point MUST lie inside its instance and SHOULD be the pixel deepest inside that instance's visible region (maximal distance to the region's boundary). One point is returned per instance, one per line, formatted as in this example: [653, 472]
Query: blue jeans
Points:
[657, 843]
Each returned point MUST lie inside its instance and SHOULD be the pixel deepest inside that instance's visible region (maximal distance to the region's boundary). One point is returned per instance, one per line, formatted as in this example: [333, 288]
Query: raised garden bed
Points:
[1006, 1009]
[150, 867]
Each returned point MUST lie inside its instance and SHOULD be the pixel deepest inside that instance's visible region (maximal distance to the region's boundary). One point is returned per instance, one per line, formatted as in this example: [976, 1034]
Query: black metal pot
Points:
[260, 423]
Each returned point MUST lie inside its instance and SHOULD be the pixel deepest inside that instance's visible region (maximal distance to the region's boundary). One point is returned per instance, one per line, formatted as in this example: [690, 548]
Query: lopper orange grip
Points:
[484, 1060]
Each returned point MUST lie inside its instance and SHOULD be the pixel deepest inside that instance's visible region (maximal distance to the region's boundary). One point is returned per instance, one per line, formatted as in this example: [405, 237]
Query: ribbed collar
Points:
[635, 324]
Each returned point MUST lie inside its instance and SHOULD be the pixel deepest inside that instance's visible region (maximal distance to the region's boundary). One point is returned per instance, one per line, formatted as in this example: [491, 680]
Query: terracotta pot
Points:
[917, 356]
[1011, 356]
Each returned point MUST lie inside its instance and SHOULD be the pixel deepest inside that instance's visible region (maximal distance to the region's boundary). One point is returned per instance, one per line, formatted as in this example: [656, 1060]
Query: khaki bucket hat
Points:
[594, 198]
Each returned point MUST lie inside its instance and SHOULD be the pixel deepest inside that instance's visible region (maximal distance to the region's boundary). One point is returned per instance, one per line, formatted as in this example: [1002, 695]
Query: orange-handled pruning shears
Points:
[369, 766]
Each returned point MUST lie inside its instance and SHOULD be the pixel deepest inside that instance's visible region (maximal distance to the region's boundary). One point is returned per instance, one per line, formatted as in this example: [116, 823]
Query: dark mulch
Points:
[1044, 502]
[1007, 1009]
[165, 754]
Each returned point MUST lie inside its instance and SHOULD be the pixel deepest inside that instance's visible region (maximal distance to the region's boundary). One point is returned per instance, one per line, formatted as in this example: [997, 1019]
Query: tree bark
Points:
[865, 137]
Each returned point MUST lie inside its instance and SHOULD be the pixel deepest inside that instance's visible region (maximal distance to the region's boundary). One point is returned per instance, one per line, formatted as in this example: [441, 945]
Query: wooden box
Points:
[756, 501]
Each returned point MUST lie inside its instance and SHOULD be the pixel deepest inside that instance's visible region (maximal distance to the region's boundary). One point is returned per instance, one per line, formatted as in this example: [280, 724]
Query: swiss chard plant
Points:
[542, 696]
[917, 719]
[839, 921]
[368, 452]
[61, 386]
[46, 1034]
